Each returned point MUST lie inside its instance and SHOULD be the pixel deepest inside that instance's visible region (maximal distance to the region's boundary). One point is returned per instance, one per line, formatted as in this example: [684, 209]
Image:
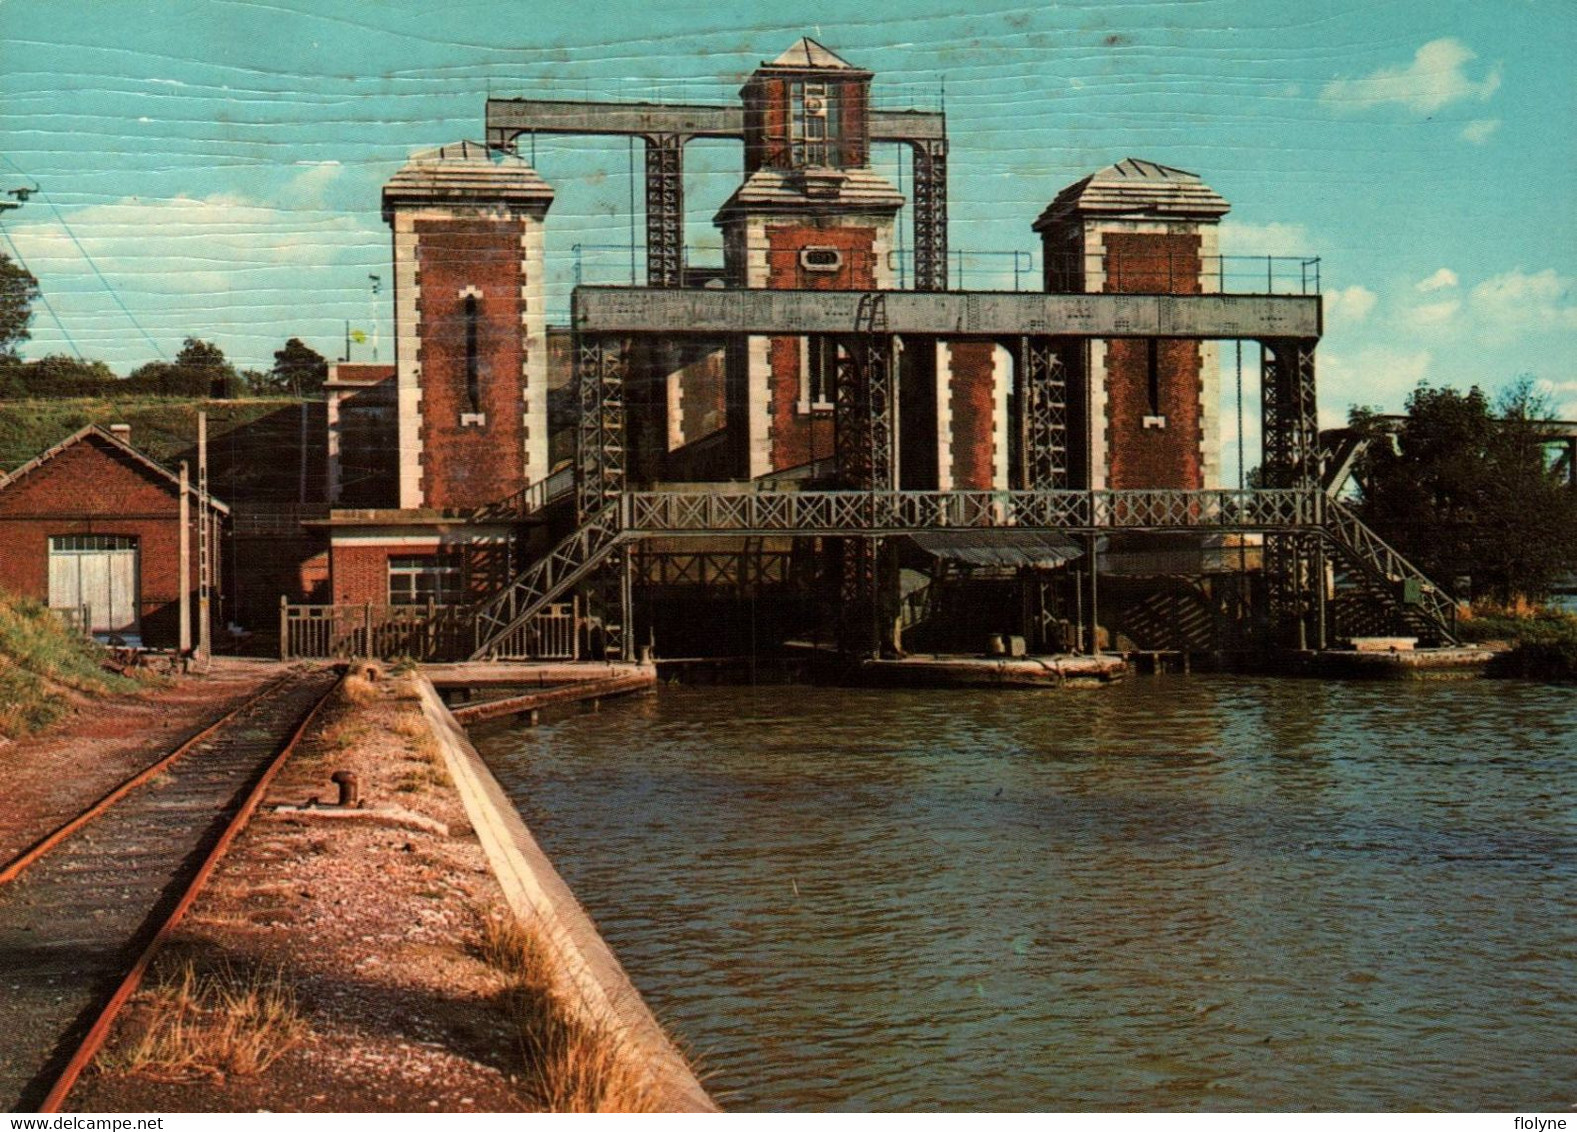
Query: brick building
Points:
[94, 524]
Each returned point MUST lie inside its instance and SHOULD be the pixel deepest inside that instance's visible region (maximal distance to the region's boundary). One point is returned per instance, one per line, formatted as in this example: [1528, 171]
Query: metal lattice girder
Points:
[1289, 416]
[857, 596]
[930, 215]
[833, 513]
[665, 210]
[864, 417]
[1043, 391]
[600, 444]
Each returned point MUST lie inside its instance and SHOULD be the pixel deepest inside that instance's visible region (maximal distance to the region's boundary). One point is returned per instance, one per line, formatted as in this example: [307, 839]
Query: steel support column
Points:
[864, 412]
[600, 444]
[1043, 394]
[1290, 458]
[665, 210]
[930, 215]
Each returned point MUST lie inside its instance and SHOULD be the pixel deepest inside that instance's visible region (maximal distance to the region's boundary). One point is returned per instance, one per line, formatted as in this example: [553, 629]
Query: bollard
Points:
[346, 781]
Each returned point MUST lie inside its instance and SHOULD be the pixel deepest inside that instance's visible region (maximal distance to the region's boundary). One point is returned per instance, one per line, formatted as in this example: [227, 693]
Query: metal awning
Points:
[1001, 548]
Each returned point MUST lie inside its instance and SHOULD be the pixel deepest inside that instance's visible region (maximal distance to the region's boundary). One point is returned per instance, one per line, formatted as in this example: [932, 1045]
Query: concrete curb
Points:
[538, 895]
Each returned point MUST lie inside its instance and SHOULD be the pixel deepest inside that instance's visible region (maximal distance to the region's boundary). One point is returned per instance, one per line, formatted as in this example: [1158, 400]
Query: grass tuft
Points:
[201, 1023]
[570, 1064]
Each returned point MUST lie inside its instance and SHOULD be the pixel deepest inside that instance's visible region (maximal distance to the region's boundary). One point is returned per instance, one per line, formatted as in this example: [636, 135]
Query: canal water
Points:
[1178, 893]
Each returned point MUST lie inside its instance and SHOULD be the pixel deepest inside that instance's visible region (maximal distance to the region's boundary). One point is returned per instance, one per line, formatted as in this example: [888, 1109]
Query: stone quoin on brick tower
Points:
[472, 354]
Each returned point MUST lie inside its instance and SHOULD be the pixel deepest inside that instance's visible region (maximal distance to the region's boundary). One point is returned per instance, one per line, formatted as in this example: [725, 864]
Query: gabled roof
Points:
[114, 442]
[1134, 186]
[806, 52]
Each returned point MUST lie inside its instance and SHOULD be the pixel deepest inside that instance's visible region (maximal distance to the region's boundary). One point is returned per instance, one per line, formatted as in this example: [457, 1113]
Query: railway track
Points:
[81, 912]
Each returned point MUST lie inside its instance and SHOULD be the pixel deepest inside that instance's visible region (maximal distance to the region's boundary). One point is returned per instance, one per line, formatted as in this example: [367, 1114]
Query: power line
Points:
[44, 296]
[107, 286]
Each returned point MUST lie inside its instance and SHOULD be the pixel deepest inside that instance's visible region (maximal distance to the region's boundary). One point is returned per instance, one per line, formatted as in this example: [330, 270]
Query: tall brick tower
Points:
[472, 337]
[811, 214]
[1153, 404]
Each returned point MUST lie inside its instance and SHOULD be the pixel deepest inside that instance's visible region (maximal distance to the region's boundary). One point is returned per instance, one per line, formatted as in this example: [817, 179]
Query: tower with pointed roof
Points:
[1151, 405]
[471, 335]
[811, 214]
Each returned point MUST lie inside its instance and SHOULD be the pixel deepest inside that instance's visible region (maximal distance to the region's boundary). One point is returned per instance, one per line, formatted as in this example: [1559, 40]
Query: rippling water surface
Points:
[1180, 893]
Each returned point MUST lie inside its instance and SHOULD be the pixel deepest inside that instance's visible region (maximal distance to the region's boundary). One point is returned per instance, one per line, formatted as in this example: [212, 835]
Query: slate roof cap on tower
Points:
[808, 55]
[466, 170]
[1135, 187]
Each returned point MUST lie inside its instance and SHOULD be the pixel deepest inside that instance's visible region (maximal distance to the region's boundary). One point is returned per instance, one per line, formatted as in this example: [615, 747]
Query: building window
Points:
[818, 373]
[813, 124]
[473, 382]
[422, 578]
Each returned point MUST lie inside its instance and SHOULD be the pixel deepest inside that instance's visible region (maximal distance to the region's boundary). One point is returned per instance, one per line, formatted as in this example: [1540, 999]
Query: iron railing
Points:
[1405, 582]
[897, 512]
[421, 632]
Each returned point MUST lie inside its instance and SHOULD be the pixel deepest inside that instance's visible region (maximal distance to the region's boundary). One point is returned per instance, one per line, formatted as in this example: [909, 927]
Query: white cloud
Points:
[1377, 376]
[1562, 395]
[1439, 281]
[1275, 238]
[1517, 300]
[1434, 79]
[1434, 314]
[1349, 304]
[1479, 130]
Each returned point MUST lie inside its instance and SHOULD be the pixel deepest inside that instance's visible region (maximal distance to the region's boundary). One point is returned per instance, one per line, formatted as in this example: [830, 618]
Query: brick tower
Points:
[1153, 404]
[811, 214]
[469, 323]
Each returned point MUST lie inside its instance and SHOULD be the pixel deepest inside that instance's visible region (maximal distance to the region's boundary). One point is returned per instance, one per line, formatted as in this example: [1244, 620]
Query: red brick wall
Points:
[93, 488]
[1139, 457]
[359, 572]
[972, 390]
[471, 466]
[798, 438]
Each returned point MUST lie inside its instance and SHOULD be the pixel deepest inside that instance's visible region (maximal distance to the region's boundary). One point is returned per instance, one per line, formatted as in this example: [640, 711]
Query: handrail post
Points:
[284, 627]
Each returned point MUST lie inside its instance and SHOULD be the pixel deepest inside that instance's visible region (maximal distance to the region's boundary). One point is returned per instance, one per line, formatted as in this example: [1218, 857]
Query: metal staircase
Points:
[1423, 606]
[547, 579]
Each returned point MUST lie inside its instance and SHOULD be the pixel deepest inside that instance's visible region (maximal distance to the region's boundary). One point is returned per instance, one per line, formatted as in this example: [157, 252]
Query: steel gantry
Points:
[666, 129]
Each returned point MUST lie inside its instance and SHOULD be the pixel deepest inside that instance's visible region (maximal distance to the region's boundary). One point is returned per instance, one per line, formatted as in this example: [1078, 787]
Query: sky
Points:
[212, 168]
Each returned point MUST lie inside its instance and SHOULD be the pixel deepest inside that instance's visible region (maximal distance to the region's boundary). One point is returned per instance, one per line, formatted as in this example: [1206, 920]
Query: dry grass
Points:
[201, 1023]
[357, 689]
[410, 726]
[570, 1063]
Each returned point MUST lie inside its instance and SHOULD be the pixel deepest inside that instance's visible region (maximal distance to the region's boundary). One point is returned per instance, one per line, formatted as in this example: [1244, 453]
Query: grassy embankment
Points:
[162, 427]
[43, 666]
[1543, 641]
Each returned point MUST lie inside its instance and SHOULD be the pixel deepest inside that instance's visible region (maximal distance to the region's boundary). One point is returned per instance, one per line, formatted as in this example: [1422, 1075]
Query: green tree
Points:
[199, 370]
[1466, 489]
[299, 370]
[18, 290]
[57, 375]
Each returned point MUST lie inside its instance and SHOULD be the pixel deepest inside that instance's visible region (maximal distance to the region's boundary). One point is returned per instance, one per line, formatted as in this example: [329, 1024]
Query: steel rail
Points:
[28, 856]
[94, 1040]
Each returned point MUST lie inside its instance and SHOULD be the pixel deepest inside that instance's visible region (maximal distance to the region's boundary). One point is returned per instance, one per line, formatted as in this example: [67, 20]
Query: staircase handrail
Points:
[575, 556]
[1375, 556]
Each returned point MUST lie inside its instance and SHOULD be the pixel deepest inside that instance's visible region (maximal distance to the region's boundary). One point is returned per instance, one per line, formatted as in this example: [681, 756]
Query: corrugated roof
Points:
[467, 169]
[1137, 187]
[806, 52]
[114, 442]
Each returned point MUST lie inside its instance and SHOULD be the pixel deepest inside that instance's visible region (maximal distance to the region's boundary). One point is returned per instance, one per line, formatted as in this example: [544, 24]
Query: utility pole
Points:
[186, 566]
[204, 543]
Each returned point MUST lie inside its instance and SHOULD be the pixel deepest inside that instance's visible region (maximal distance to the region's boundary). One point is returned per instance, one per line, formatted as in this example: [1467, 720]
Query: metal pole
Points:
[204, 544]
[1095, 617]
[185, 644]
[284, 627]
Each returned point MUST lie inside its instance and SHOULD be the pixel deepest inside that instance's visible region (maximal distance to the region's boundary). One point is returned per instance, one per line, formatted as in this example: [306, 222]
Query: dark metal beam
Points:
[508, 118]
[955, 314]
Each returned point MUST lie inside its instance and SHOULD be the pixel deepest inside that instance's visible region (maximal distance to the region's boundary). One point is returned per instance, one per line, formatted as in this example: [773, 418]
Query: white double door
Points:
[98, 572]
